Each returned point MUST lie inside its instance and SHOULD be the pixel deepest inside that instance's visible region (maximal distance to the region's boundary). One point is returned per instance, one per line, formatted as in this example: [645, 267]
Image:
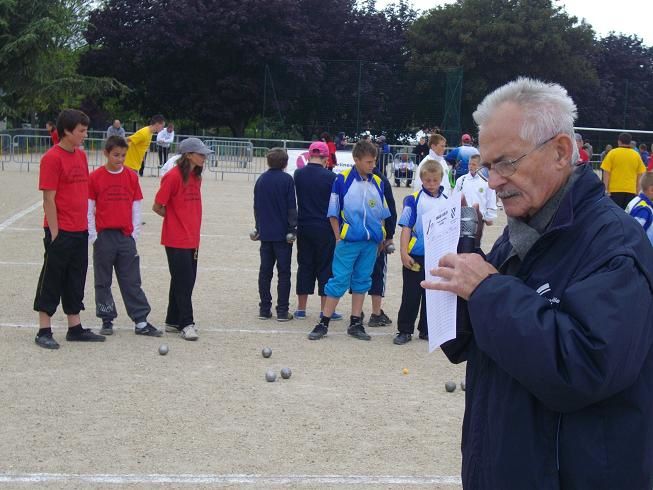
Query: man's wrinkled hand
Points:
[460, 273]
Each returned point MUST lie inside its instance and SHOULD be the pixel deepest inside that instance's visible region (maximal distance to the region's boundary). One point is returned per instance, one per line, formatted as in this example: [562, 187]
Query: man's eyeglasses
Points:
[505, 168]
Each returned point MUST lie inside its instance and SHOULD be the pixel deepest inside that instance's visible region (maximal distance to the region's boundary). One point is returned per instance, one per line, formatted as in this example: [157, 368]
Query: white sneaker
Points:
[189, 333]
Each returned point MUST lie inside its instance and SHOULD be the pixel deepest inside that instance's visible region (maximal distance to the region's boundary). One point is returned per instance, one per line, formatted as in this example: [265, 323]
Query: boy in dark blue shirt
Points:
[315, 239]
[275, 214]
[378, 318]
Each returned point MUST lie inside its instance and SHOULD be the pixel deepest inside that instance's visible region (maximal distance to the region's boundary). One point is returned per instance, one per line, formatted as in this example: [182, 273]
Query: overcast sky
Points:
[624, 16]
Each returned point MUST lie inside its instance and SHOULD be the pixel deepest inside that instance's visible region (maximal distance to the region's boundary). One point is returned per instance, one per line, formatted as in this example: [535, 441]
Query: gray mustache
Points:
[507, 194]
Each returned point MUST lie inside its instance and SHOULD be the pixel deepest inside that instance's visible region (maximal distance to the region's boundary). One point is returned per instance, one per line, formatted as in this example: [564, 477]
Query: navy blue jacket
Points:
[275, 208]
[559, 360]
[390, 222]
[313, 184]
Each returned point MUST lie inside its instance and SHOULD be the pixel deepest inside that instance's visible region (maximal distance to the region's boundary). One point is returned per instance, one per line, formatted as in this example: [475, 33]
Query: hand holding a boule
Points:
[407, 261]
[461, 274]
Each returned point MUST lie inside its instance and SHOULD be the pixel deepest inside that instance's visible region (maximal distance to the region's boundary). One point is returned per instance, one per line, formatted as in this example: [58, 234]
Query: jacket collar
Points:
[587, 188]
[644, 198]
[357, 176]
[438, 194]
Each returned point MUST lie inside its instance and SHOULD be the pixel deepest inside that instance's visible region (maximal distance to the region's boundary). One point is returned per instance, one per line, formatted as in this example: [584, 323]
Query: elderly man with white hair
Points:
[557, 330]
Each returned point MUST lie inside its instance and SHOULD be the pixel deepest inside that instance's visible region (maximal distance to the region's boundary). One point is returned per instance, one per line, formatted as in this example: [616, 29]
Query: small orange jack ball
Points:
[404, 370]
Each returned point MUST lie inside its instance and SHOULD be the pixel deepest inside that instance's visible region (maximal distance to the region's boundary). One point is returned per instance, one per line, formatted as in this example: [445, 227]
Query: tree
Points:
[40, 44]
[357, 79]
[196, 60]
[625, 70]
[494, 41]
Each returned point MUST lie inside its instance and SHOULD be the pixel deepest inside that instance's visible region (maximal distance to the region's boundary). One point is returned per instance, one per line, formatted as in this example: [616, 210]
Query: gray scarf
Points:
[523, 235]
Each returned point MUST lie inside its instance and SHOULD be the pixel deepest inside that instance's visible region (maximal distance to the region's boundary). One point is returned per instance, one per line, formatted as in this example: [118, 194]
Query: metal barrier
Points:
[383, 160]
[404, 166]
[5, 149]
[230, 156]
[28, 149]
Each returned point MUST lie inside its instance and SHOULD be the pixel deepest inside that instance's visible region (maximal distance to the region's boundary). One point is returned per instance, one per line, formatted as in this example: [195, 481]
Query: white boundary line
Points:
[254, 479]
[145, 233]
[201, 328]
[12, 219]
[151, 267]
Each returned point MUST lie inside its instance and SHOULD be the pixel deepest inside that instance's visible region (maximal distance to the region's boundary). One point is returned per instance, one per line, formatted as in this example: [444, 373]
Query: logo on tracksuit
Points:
[546, 288]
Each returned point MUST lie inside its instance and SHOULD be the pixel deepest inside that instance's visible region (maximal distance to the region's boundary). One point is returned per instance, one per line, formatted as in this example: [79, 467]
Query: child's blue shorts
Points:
[352, 267]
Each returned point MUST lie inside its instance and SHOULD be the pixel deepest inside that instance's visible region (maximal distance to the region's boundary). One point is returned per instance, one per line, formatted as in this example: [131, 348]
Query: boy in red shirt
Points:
[114, 221]
[63, 179]
[179, 202]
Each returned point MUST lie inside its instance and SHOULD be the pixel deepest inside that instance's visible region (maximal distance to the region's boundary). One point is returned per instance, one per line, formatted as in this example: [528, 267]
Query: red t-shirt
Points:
[54, 137]
[583, 157]
[114, 196]
[183, 202]
[66, 173]
[332, 152]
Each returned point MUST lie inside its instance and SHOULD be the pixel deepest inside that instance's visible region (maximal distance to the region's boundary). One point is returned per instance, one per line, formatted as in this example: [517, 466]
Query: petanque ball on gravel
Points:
[163, 349]
[270, 376]
[462, 385]
[267, 352]
[286, 373]
[450, 386]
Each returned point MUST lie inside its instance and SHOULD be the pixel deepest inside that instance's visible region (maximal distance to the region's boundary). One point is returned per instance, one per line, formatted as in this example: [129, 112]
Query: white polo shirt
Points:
[477, 191]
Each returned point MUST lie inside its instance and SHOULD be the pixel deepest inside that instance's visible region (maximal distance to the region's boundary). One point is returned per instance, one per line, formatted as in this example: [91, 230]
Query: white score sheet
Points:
[441, 232]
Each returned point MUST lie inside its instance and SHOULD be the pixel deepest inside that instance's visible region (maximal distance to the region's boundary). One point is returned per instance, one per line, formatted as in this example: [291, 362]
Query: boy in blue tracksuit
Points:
[641, 207]
[357, 211]
[275, 213]
[413, 296]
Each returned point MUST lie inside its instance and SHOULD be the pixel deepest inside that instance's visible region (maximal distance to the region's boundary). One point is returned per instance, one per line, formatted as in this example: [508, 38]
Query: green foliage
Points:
[494, 41]
[40, 45]
[304, 66]
[625, 69]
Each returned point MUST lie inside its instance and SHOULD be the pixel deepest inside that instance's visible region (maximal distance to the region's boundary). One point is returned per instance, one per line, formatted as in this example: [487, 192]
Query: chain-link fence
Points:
[357, 96]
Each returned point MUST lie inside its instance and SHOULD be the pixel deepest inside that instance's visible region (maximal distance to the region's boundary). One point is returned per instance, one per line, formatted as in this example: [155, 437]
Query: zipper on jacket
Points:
[558, 442]
[365, 208]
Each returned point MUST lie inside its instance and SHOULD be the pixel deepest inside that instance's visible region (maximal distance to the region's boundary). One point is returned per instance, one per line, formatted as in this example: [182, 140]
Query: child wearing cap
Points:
[179, 202]
[458, 159]
[275, 216]
[64, 181]
[315, 241]
[114, 222]
[357, 210]
[413, 296]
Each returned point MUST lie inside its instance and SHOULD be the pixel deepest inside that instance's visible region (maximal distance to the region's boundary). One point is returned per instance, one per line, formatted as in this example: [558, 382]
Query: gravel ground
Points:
[347, 416]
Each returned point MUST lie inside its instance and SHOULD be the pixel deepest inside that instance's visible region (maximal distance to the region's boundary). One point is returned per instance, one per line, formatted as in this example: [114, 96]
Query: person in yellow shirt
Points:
[622, 167]
[139, 142]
